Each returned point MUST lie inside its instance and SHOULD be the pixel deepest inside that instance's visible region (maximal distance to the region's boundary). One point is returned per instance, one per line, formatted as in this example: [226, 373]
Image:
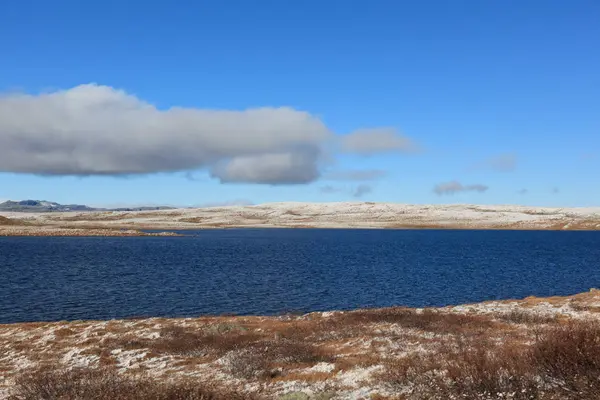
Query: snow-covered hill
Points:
[332, 215]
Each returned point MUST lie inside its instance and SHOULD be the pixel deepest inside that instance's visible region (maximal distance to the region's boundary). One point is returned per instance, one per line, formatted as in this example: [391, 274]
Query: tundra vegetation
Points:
[536, 348]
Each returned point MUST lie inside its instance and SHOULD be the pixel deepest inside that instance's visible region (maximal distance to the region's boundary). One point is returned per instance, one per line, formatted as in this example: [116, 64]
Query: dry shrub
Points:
[64, 332]
[177, 340]
[562, 363]
[186, 342]
[360, 323]
[577, 306]
[524, 317]
[412, 372]
[105, 384]
[568, 358]
[361, 360]
[472, 370]
[261, 359]
[7, 221]
[126, 342]
[502, 372]
[427, 320]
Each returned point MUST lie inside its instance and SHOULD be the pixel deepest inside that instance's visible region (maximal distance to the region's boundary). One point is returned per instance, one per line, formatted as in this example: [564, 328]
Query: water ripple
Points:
[267, 271]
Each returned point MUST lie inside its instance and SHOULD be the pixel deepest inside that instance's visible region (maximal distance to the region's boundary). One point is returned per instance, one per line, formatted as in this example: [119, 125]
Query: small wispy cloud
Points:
[355, 175]
[454, 187]
[361, 190]
[357, 191]
[328, 189]
[226, 203]
[377, 140]
[589, 156]
[501, 163]
[191, 176]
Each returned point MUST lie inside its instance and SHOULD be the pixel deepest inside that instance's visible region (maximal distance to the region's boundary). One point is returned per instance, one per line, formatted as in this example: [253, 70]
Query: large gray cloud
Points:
[99, 130]
[92, 130]
[454, 187]
[374, 141]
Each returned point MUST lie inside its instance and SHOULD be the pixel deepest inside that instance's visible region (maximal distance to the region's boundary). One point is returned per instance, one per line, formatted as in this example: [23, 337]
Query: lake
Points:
[270, 271]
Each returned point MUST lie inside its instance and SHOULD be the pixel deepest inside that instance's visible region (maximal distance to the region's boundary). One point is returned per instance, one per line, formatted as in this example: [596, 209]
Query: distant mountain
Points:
[41, 206]
[49, 206]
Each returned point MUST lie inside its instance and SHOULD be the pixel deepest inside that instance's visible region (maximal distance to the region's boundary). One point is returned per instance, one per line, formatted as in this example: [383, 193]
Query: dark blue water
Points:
[262, 271]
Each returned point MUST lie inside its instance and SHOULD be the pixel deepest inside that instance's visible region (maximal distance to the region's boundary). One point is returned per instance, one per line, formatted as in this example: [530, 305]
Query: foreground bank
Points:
[536, 348]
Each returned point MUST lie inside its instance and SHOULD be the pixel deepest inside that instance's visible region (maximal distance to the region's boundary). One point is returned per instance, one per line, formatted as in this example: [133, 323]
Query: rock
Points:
[324, 396]
[295, 396]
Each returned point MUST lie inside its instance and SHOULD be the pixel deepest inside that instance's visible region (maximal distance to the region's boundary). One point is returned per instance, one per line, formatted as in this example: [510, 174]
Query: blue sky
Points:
[490, 102]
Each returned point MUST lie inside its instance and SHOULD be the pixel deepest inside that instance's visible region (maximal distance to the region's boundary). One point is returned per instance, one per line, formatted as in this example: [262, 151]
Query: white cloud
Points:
[373, 141]
[98, 130]
[457, 187]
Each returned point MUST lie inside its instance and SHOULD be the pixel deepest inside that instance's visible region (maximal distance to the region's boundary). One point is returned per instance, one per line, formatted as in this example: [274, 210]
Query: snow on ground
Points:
[330, 215]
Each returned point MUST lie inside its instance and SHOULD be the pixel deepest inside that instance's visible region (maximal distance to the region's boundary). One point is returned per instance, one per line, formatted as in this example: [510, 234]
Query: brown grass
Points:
[360, 323]
[524, 317]
[430, 354]
[64, 332]
[428, 320]
[8, 221]
[187, 342]
[477, 370]
[105, 384]
[577, 306]
[262, 359]
[568, 357]
[249, 354]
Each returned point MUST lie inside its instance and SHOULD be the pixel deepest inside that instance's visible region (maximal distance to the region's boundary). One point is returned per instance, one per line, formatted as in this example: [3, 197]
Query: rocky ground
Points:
[535, 348]
[304, 215]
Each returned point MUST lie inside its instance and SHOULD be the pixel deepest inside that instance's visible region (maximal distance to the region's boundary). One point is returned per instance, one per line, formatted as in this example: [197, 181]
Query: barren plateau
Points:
[300, 215]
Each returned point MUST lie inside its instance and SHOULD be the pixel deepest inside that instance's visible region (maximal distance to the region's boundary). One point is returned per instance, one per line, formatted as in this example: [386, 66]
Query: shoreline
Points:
[525, 301]
[182, 232]
[179, 231]
[84, 233]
